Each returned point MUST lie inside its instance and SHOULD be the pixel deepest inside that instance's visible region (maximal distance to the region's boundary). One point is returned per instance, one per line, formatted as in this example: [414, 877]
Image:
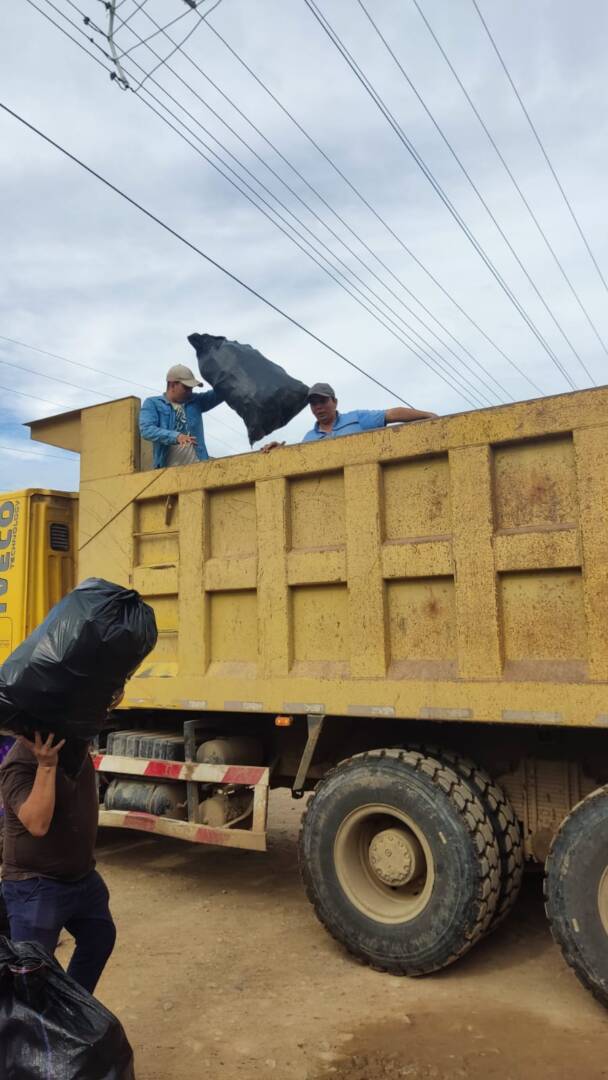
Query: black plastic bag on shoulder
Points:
[261, 392]
[63, 677]
[50, 1027]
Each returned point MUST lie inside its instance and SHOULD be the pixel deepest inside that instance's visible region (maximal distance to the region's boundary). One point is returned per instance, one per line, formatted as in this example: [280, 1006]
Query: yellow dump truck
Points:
[410, 622]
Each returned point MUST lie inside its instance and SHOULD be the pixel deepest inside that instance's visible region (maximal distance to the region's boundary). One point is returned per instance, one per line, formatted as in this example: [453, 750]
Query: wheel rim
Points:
[384, 863]
[602, 899]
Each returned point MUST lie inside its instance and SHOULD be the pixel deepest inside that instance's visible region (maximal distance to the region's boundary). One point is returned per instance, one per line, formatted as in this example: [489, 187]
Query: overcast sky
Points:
[86, 276]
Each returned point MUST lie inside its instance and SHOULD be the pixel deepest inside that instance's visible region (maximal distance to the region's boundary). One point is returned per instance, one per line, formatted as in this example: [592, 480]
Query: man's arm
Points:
[400, 415]
[36, 812]
[208, 400]
[149, 427]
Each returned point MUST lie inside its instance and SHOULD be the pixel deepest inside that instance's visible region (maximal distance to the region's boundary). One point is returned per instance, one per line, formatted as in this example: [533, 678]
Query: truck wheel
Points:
[503, 820]
[400, 861]
[576, 891]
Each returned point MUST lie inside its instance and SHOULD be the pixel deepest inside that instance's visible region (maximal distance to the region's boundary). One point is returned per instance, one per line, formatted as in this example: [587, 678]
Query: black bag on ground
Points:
[50, 1027]
[262, 393]
[63, 677]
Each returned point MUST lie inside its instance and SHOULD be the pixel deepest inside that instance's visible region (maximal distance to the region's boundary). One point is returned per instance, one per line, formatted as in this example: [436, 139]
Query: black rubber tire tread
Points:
[467, 807]
[583, 941]
[504, 822]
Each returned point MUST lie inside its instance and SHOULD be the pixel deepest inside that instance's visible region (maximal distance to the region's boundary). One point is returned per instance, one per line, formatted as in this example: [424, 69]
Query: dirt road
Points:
[223, 973]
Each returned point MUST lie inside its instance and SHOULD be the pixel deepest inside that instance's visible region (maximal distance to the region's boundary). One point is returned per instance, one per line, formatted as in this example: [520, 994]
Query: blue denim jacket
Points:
[157, 423]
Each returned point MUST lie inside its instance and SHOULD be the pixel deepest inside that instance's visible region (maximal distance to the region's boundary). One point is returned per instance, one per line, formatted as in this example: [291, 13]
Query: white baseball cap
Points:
[183, 374]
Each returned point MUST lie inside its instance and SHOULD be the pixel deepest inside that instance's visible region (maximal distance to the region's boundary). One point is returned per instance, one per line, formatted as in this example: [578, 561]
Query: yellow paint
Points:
[34, 574]
[422, 619]
[453, 568]
[321, 625]
[417, 498]
[316, 510]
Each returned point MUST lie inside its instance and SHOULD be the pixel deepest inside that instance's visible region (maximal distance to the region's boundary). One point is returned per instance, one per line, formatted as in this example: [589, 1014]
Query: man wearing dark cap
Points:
[173, 421]
[330, 422]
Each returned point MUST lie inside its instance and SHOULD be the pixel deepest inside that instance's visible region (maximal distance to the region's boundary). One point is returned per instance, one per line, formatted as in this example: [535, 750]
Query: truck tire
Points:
[503, 820]
[576, 891]
[400, 861]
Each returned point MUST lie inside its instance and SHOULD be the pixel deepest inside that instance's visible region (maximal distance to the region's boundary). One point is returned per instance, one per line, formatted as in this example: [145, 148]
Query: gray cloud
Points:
[87, 277]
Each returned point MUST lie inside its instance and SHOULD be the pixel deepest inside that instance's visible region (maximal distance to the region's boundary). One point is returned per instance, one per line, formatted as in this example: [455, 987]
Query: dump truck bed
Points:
[450, 569]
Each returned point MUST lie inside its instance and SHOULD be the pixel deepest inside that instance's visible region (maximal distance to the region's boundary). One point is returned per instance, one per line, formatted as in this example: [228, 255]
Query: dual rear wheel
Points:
[410, 856]
[405, 860]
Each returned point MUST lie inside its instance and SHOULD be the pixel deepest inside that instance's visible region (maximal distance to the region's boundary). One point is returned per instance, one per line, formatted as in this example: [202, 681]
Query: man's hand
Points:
[270, 446]
[186, 440]
[45, 753]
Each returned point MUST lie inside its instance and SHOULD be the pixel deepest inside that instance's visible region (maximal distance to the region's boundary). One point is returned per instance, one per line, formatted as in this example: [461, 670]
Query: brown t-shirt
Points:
[66, 852]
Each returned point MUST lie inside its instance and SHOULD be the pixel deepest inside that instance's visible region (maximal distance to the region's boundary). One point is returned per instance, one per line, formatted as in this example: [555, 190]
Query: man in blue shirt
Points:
[330, 423]
[173, 421]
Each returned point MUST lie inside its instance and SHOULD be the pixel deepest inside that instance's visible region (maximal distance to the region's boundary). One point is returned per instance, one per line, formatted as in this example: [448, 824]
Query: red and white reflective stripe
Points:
[253, 840]
[248, 775]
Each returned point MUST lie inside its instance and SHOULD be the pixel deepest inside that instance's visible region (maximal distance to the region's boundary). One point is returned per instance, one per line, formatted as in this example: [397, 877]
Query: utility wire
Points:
[515, 183]
[137, 8]
[23, 393]
[97, 371]
[87, 389]
[541, 145]
[35, 453]
[48, 18]
[160, 30]
[181, 43]
[434, 183]
[484, 203]
[322, 199]
[407, 340]
[339, 172]
[481, 397]
[325, 265]
[54, 378]
[76, 363]
[198, 251]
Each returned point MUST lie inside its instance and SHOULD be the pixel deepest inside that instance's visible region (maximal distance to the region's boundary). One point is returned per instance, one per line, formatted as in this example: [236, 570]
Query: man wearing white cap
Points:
[173, 421]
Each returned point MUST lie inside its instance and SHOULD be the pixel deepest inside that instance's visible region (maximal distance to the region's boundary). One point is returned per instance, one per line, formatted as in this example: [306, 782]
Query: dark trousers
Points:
[38, 908]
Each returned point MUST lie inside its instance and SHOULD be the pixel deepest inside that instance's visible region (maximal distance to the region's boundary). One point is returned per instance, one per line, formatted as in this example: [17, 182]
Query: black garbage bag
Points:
[63, 677]
[262, 393]
[50, 1027]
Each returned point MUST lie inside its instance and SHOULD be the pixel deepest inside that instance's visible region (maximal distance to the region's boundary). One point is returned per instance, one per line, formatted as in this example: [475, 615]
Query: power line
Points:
[97, 371]
[541, 146]
[35, 453]
[339, 172]
[176, 46]
[23, 393]
[480, 396]
[516, 185]
[198, 251]
[160, 30]
[484, 203]
[68, 35]
[429, 363]
[318, 195]
[53, 378]
[77, 386]
[396, 333]
[76, 363]
[334, 38]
